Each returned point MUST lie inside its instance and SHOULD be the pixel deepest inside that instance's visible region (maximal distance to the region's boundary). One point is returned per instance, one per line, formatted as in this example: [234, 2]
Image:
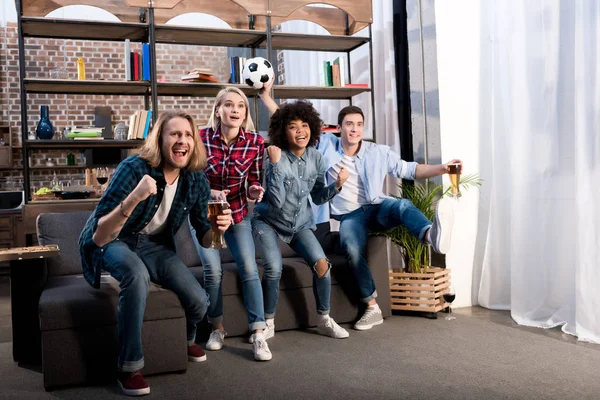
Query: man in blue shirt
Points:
[362, 207]
[130, 235]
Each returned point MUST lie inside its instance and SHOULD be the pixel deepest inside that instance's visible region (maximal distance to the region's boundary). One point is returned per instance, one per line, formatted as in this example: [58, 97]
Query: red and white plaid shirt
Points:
[229, 167]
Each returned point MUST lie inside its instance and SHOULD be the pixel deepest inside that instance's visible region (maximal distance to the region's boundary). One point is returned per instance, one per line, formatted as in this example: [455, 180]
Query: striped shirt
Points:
[231, 167]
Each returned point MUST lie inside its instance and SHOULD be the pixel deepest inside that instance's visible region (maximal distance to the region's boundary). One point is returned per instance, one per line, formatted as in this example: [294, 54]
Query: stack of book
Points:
[200, 75]
[139, 124]
[85, 133]
[236, 65]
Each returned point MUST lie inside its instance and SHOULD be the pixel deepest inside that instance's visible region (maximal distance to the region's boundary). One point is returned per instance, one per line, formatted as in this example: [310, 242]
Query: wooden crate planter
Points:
[419, 291]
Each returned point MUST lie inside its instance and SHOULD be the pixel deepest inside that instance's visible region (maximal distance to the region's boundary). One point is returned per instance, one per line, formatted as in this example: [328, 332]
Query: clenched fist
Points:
[274, 154]
[145, 188]
[342, 176]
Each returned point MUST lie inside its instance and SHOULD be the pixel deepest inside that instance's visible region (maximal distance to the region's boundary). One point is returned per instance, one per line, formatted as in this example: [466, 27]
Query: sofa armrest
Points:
[27, 281]
[378, 260]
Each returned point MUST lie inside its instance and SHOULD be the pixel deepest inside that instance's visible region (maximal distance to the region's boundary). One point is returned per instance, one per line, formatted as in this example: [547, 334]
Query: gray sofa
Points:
[70, 327]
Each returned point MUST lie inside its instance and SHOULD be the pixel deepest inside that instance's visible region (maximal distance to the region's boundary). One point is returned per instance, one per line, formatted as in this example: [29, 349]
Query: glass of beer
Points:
[215, 208]
[454, 171]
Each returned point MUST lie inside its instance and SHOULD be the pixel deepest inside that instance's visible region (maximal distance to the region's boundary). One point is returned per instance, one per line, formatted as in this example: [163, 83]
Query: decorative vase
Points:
[44, 129]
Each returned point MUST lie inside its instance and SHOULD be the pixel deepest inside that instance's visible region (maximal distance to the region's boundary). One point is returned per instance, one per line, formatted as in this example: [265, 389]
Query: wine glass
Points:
[102, 178]
[449, 296]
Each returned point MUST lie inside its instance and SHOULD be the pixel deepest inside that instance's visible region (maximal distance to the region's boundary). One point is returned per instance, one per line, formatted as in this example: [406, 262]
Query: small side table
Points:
[27, 264]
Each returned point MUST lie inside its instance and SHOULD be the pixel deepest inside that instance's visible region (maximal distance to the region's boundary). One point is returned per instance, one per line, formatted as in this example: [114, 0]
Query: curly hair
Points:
[302, 110]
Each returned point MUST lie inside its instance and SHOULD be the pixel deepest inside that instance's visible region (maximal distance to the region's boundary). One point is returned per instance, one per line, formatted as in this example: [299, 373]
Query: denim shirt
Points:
[286, 206]
[373, 162]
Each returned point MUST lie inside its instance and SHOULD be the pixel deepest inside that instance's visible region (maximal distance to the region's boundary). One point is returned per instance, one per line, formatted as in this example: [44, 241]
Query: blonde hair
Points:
[151, 150]
[215, 121]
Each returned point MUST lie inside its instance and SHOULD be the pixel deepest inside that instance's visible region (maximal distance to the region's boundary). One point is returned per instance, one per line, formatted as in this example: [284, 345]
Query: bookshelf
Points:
[251, 22]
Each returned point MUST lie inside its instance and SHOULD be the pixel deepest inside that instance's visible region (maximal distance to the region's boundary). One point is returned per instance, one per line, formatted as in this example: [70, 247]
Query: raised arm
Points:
[265, 95]
[275, 187]
[320, 193]
[122, 204]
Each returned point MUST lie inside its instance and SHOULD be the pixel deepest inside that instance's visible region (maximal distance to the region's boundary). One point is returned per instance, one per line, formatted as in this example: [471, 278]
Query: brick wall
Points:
[103, 60]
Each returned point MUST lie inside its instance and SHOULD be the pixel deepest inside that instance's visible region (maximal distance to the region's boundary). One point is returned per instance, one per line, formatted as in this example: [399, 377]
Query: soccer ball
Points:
[257, 71]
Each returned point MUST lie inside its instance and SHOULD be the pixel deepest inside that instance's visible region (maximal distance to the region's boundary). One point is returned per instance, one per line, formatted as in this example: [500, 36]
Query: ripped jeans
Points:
[307, 246]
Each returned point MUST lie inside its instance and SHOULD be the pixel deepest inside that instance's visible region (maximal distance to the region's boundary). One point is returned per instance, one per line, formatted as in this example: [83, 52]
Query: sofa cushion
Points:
[62, 229]
[70, 302]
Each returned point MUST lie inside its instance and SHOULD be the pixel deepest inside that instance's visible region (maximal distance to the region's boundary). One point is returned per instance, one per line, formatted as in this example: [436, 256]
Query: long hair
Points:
[214, 121]
[151, 150]
[302, 110]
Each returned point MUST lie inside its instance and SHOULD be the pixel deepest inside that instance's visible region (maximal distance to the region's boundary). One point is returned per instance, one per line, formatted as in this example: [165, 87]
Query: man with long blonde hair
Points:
[130, 235]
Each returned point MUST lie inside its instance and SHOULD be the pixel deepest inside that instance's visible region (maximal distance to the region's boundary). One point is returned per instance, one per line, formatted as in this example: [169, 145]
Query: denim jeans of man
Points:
[135, 264]
[241, 245]
[305, 243]
[354, 233]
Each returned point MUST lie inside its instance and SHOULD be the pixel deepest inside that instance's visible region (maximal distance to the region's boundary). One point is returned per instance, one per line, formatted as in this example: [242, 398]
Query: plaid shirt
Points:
[230, 167]
[191, 199]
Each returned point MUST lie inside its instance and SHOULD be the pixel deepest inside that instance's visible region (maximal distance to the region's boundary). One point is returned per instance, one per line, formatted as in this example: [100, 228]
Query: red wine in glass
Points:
[102, 180]
[449, 297]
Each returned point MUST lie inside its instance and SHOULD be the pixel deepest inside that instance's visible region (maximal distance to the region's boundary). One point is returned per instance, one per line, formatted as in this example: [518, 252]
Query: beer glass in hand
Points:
[454, 171]
[215, 208]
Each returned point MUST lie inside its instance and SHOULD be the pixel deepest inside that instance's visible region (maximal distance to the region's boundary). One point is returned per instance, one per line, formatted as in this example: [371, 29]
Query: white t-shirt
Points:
[352, 196]
[159, 221]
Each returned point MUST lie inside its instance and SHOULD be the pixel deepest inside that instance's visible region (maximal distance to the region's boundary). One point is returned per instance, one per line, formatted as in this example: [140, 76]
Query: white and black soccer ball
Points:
[257, 71]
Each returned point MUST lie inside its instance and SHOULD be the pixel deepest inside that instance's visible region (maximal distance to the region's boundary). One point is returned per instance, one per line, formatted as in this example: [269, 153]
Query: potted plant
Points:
[419, 287]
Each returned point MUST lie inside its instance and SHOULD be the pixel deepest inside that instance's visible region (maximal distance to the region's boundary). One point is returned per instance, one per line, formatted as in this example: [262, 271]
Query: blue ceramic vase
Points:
[44, 129]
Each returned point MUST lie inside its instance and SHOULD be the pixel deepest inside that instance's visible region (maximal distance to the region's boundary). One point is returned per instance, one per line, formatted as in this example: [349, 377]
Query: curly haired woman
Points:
[296, 170]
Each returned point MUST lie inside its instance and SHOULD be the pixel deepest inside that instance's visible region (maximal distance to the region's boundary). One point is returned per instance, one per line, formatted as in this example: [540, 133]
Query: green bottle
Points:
[70, 159]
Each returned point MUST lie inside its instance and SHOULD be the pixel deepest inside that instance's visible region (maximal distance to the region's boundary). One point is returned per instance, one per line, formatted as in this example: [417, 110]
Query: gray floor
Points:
[481, 354]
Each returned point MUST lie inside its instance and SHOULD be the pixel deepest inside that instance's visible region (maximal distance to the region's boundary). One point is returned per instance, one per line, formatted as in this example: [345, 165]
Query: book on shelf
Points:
[333, 73]
[236, 64]
[139, 124]
[357, 85]
[137, 63]
[200, 75]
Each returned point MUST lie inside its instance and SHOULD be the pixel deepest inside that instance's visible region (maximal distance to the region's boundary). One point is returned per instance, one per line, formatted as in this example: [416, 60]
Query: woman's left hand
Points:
[256, 192]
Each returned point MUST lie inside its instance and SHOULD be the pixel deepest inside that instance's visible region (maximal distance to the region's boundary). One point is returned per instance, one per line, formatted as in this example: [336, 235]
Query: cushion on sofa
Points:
[70, 302]
[62, 229]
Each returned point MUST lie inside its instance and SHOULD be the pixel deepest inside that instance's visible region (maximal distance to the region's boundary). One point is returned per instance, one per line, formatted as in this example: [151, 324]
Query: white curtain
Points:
[538, 142]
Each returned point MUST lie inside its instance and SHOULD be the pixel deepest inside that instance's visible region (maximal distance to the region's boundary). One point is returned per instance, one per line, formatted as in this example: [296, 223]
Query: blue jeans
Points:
[239, 242]
[135, 264]
[306, 245]
[354, 232]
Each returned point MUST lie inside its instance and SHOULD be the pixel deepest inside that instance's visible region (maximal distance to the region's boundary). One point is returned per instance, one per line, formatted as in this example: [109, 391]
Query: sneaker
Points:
[261, 350]
[369, 319]
[440, 233]
[269, 331]
[195, 353]
[133, 383]
[216, 340]
[330, 328]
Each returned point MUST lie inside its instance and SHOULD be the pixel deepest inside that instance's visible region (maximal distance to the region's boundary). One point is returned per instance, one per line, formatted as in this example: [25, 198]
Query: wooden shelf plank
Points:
[317, 92]
[68, 86]
[58, 167]
[198, 89]
[86, 144]
[208, 37]
[84, 30]
[295, 41]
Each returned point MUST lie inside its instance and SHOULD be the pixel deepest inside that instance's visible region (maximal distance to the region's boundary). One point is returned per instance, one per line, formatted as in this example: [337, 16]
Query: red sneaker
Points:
[133, 383]
[196, 353]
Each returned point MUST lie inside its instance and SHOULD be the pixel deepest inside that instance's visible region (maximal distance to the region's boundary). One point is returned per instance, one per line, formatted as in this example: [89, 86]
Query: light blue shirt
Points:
[373, 162]
[290, 181]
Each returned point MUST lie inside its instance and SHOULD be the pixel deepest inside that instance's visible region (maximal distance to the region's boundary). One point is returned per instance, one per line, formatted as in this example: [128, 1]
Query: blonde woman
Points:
[235, 158]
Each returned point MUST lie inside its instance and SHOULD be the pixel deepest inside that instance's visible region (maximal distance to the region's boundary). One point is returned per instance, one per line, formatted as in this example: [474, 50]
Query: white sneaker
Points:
[440, 233]
[261, 350]
[330, 328]
[369, 319]
[216, 340]
[269, 331]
